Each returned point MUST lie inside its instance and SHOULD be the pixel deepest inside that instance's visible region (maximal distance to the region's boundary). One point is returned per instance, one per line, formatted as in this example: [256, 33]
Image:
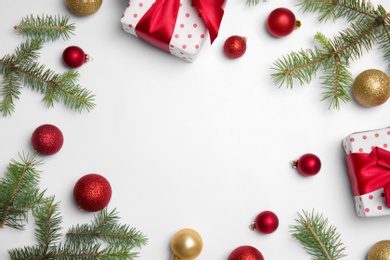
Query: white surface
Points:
[205, 145]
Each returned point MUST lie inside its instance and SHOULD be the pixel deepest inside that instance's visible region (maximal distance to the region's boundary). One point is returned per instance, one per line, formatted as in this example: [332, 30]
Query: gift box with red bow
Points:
[178, 28]
[368, 164]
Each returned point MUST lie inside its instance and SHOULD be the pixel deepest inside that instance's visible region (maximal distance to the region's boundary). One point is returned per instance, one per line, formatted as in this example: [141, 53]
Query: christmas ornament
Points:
[234, 46]
[380, 251]
[47, 139]
[245, 253]
[281, 22]
[84, 7]
[74, 57]
[371, 88]
[266, 222]
[186, 244]
[92, 192]
[308, 164]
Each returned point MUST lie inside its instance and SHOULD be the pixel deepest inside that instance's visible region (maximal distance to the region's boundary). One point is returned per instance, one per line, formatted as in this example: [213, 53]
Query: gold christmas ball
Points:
[186, 244]
[380, 251]
[84, 7]
[371, 88]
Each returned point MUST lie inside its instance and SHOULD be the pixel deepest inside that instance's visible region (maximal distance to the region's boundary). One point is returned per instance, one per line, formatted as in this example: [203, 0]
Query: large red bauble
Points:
[245, 253]
[234, 46]
[92, 192]
[47, 139]
[281, 22]
[266, 222]
[74, 57]
[308, 164]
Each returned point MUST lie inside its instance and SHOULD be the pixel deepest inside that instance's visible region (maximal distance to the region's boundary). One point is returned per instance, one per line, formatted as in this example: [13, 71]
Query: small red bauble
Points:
[47, 139]
[234, 46]
[266, 222]
[308, 164]
[92, 192]
[74, 57]
[245, 253]
[281, 22]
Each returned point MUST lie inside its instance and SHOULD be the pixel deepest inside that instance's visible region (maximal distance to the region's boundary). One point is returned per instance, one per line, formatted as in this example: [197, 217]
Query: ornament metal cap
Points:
[297, 24]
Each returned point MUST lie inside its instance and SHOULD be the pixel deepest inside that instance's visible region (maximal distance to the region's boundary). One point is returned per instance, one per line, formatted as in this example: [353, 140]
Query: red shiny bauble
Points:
[266, 222]
[308, 164]
[234, 46]
[245, 253]
[47, 139]
[92, 192]
[281, 22]
[74, 57]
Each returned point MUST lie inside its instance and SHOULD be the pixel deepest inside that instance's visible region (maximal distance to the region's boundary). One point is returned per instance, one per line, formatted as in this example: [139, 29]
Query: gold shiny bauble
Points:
[380, 251]
[84, 7]
[371, 88]
[186, 244]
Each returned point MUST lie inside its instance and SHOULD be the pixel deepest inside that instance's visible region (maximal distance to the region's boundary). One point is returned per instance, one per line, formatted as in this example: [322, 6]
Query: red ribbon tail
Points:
[211, 12]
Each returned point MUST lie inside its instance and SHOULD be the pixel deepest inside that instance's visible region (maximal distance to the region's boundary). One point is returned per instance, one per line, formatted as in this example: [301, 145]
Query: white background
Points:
[204, 145]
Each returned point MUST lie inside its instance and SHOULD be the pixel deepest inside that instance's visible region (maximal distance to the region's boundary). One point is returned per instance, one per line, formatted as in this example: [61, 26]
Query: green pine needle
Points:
[319, 239]
[46, 27]
[19, 191]
[369, 26]
[253, 2]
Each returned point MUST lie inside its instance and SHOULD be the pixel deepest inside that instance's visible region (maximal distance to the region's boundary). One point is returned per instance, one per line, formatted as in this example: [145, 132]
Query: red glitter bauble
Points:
[266, 222]
[308, 164]
[245, 253]
[92, 192]
[281, 22]
[74, 57]
[47, 139]
[235, 46]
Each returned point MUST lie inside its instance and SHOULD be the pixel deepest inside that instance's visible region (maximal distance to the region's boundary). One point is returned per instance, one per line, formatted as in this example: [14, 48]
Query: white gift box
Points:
[368, 164]
[189, 32]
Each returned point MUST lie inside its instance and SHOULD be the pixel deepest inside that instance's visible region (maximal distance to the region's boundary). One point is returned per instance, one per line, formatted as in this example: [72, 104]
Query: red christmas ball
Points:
[245, 253]
[281, 22]
[92, 192]
[308, 164]
[266, 222]
[234, 46]
[74, 57]
[47, 139]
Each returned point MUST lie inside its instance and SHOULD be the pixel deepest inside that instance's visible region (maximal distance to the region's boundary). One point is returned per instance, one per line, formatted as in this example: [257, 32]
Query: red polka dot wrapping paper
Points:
[368, 178]
[189, 33]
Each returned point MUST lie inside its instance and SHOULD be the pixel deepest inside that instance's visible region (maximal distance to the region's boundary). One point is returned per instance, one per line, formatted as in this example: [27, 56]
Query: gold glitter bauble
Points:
[371, 88]
[84, 7]
[380, 251]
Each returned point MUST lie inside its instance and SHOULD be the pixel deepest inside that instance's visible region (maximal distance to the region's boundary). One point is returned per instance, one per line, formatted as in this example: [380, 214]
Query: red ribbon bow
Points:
[369, 172]
[157, 25]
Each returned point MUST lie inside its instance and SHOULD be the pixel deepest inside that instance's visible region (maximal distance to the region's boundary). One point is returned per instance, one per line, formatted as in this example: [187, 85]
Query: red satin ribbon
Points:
[369, 172]
[157, 25]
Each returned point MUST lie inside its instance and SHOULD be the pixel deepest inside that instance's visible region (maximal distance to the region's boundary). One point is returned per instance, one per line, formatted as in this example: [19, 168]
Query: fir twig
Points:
[22, 68]
[369, 26]
[253, 2]
[46, 27]
[19, 191]
[319, 239]
[104, 239]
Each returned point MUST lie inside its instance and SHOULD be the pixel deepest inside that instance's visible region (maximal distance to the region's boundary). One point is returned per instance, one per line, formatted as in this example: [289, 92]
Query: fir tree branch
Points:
[21, 68]
[46, 27]
[370, 28]
[19, 191]
[320, 240]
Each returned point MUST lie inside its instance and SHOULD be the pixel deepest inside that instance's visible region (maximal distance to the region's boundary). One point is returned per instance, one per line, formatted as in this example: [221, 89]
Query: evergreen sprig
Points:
[320, 240]
[22, 69]
[369, 26]
[253, 2]
[105, 238]
[46, 27]
[19, 191]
